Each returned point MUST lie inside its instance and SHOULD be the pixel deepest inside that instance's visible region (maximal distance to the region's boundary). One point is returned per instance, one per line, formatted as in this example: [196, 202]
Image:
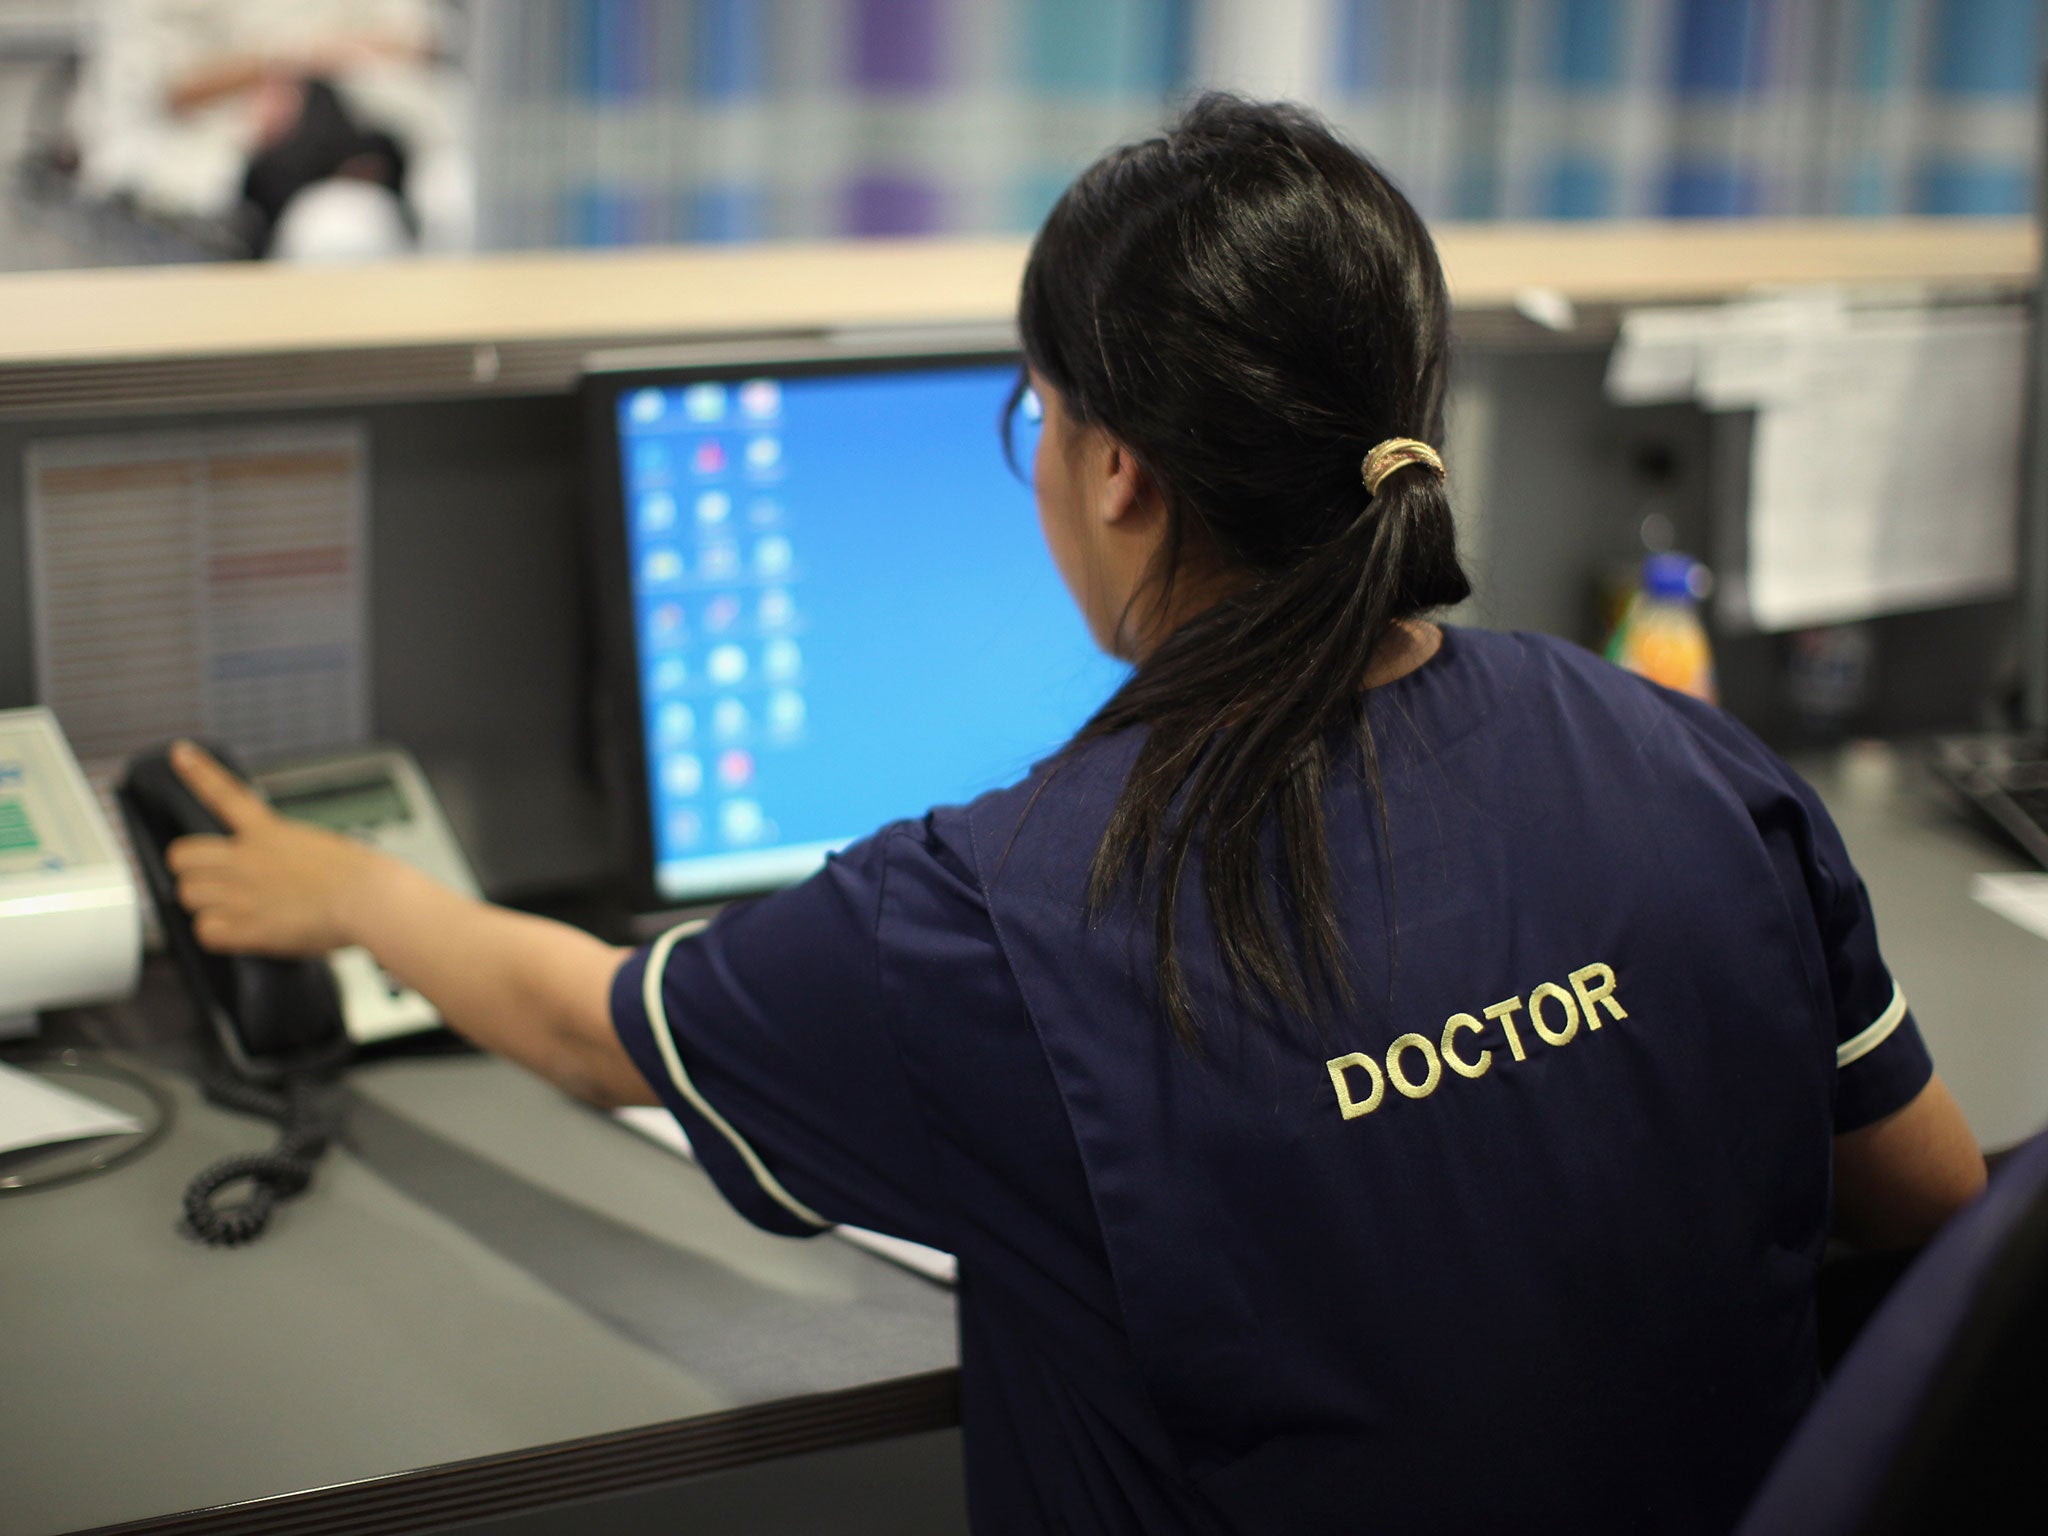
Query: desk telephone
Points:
[270, 1018]
[287, 1027]
[273, 1017]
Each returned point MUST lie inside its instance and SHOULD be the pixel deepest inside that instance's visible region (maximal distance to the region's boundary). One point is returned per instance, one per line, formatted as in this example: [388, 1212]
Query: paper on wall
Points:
[1886, 476]
[1656, 356]
[1726, 356]
[201, 583]
[1885, 461]
[1757, 359]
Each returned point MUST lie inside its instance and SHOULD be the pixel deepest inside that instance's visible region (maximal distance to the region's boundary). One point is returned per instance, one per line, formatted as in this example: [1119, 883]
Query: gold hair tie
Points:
[1396, 453]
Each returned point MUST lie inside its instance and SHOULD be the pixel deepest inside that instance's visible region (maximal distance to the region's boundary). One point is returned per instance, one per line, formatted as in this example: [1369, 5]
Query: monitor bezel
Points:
[618, 713]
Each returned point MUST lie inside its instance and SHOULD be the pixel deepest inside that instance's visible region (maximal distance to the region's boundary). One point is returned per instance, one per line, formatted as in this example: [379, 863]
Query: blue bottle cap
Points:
[1669, 575]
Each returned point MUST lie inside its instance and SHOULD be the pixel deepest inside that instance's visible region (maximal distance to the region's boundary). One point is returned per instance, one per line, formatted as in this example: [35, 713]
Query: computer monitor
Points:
[824, 601]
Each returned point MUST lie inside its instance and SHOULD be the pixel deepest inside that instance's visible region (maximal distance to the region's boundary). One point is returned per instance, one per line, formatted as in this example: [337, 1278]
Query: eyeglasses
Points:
[1023, 418]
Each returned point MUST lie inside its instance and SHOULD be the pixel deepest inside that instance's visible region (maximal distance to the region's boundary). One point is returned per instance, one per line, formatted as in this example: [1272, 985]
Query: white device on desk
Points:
[378, 795]
[70, 918]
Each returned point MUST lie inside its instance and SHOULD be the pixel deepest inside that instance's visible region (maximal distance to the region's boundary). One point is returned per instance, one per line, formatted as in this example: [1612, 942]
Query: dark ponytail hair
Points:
[1249, 306]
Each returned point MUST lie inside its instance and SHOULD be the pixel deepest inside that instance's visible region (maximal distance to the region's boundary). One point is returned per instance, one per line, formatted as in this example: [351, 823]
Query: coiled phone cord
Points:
[309, 1114]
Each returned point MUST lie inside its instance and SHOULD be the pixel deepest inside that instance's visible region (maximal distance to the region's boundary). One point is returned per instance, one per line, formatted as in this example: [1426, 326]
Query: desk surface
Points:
[491, 1267]
[1977, 983]
[488, 1267]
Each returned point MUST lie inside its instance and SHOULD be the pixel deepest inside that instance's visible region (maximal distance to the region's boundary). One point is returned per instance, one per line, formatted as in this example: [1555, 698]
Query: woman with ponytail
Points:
[1378, 1075]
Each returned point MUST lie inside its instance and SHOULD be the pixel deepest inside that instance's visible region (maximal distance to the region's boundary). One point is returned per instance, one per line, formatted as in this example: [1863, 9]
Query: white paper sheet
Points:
[201, 583]
[658, 1125]
[1886, 476]
[1885, 463]
[2023, 898]
[1733, 356]
[37, 1113]
[1656, 356]
[1756, 360]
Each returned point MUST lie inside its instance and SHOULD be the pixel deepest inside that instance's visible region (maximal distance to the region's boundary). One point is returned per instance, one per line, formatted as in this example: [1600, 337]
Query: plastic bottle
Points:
[1661, 635]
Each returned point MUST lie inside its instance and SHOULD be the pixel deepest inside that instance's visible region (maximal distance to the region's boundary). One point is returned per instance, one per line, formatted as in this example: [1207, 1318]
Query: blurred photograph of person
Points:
[318, 130]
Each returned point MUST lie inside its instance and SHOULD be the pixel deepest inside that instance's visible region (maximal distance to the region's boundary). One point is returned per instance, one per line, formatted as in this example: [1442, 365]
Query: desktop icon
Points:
[657, 512]
[785, 714]
[719, 562]
[704, 402]
[675, 724]
[646, 407]
[760, 399]
[713, 508]
[763, 454]
[721, 613]
[726, 665]
[665, 626]
[729, 720]
[773, 556]
[661, 567]
[685, 829]
[764, 512]
[735, 768]
[781, 661]
[709, 458]
[682, 774]
[741, 822]
[777, 609]
[668, 675]
[650, 462]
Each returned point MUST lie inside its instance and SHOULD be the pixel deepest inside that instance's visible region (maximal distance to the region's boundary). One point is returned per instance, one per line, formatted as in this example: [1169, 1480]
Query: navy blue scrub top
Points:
[1524, 1239]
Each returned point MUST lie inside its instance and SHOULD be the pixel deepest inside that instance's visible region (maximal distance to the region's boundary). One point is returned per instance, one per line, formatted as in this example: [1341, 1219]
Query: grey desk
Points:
[492, 1302]
[490, 1269]
[1978, 983]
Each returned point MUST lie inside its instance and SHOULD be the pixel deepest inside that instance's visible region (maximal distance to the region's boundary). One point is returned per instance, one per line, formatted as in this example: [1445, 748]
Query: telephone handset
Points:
[273, 1019]
[285, 1026]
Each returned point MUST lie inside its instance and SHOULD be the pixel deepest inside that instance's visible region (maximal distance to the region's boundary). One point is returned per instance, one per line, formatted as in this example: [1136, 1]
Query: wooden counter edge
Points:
[130, 315]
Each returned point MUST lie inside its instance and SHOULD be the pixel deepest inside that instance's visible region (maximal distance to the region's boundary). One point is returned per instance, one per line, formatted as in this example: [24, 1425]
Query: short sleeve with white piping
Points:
[767, 1036]
[1881, 1063]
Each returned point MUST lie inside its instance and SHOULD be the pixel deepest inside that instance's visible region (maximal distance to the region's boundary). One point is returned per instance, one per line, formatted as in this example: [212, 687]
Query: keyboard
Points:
[2006, 777]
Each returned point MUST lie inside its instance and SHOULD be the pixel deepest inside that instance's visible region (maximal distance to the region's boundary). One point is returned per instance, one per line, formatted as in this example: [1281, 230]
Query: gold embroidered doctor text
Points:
[1415, 1063]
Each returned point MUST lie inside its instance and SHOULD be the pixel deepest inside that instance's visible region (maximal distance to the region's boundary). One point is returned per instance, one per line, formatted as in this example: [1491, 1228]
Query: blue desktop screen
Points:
[844, 613]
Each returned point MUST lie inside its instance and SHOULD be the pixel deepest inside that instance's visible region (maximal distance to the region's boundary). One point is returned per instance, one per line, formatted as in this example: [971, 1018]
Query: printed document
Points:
[201, 583]
[1884, 469]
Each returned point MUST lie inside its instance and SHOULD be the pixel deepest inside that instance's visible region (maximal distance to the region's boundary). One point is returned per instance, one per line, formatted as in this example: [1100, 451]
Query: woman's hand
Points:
[272, 886]
[529, 988]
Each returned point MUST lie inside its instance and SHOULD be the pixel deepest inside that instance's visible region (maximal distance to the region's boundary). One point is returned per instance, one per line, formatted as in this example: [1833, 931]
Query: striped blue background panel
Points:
[611, 122]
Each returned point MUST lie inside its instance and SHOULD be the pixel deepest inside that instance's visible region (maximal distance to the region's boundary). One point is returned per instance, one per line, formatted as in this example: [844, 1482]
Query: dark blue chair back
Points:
[1937, 1418]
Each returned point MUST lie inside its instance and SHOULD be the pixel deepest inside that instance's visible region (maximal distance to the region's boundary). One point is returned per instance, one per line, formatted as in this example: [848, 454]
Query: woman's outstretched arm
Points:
[532, 990]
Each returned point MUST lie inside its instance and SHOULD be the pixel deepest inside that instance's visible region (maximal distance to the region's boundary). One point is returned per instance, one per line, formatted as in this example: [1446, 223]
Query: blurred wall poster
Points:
[202, 583]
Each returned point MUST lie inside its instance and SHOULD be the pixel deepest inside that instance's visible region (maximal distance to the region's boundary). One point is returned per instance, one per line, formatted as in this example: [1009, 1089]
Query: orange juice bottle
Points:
[1661, 636]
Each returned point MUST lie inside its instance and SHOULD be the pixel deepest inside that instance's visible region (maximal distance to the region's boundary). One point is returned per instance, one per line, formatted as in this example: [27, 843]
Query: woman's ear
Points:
[1130, 498]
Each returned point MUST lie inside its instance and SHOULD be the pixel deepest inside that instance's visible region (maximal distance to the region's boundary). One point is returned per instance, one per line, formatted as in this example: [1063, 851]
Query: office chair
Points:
[1938, 1415]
